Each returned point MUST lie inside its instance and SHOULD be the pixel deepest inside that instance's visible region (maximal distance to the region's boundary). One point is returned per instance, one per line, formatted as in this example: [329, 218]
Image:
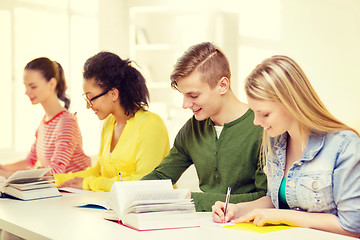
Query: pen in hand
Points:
[226, 202]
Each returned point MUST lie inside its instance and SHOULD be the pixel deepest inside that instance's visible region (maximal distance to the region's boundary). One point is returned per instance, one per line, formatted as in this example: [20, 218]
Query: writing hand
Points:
[218, 212]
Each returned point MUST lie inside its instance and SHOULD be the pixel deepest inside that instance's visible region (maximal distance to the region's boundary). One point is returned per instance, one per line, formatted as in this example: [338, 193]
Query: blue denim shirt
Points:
[325, 179]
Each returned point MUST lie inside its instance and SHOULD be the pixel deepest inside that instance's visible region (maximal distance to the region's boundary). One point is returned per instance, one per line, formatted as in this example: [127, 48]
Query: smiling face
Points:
[272, 116]
[37, 88]
[102, 106]
[202, 100]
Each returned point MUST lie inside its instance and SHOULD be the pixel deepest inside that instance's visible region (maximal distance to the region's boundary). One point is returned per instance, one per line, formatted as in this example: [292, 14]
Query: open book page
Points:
[122, 194]
[24, 175]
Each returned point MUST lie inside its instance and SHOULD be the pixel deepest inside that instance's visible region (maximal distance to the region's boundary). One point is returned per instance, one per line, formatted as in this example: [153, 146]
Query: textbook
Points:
[152, 205]
[29, 185]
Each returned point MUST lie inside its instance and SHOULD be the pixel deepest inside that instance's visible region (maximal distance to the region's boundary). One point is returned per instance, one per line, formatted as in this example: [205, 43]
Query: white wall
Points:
[323, 36]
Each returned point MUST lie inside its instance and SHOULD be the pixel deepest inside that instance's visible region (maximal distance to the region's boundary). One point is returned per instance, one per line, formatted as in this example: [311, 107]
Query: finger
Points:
[230, 212]
[246, 217]
[218, 211]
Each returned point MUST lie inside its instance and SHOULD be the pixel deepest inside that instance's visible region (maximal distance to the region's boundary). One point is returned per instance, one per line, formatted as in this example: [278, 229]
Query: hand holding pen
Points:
[223, 212]
[226, 202]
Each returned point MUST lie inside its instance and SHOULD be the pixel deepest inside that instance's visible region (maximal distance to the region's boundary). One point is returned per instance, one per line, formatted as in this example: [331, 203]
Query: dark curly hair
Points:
[110, 71]
[51, 69]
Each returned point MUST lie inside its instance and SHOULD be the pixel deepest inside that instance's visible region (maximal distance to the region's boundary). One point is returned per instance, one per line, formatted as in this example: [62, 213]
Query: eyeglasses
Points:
[89, 101]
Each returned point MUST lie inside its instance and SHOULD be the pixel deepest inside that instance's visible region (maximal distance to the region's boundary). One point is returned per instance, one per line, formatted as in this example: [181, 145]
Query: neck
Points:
[298, 138]
[120, 117]
[231, 109]
[52, 107]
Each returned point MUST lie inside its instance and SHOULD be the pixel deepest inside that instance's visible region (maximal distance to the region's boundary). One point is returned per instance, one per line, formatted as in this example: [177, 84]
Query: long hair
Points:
[280, 79]
[110, 71]
[51, 69]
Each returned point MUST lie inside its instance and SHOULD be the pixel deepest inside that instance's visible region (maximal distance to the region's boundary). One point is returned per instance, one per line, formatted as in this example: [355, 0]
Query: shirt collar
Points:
[313, 146]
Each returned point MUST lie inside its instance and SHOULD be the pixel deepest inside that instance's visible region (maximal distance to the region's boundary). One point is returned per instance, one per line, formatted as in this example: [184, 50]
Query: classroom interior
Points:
[322, 36]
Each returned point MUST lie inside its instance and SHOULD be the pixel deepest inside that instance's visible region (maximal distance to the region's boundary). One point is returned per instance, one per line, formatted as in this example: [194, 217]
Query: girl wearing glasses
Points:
[133, 141]
[58, 143]
[312, 160]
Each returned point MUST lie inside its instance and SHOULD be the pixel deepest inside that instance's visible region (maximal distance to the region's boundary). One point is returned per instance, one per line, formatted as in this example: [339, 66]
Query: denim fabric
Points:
[325, 179]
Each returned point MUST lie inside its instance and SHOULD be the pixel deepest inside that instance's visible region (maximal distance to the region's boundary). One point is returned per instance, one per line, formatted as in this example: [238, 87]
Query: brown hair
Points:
[51, 69]
[207, 59]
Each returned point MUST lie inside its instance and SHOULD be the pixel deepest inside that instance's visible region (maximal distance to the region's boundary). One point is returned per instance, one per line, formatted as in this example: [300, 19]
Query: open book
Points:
[29, 185]
[152, 205]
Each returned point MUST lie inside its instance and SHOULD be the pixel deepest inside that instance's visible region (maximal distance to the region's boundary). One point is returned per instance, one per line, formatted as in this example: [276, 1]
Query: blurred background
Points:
[323, 36]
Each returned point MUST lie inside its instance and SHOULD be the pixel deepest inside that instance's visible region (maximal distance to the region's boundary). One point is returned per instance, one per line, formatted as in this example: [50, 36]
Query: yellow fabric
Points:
[250, 227]
[142, 145]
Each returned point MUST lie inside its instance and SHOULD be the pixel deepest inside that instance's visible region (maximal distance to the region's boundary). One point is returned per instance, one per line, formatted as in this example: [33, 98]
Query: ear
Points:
[224, 85]
[53, 83]
[114, 94]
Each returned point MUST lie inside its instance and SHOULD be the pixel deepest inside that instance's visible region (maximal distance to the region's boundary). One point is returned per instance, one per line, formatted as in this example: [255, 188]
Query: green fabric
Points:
[282, 198]
[230, 161]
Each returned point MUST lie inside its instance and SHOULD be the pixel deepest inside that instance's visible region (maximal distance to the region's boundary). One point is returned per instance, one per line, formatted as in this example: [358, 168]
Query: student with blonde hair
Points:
[312, 160]
[220, 139]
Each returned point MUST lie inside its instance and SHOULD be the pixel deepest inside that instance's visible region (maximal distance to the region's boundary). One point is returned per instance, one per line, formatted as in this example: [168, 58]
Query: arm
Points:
[66, 142]
[13, 167]
[235, 211]
[175, 163]
[321, 221]
[204, 200]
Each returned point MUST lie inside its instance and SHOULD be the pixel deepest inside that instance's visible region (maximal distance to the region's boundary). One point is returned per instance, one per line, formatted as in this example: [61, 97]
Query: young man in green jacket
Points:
[220, 139]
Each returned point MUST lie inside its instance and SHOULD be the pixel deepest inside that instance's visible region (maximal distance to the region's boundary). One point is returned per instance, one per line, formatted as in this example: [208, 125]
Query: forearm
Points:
[245, 207]
[320, 221]
[13, 167]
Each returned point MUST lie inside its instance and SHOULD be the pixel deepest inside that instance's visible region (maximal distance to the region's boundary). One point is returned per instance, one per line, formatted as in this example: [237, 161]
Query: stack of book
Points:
[29, 185]
[152, 205]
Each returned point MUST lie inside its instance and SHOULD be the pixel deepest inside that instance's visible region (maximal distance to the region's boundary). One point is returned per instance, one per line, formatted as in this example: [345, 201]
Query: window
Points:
[64, 31]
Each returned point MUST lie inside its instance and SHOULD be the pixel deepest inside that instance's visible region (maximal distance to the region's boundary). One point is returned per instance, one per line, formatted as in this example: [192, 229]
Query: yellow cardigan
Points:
[142, 145]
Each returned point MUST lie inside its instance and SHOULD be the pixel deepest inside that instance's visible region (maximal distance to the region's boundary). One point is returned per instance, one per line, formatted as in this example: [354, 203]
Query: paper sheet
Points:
[250, 227]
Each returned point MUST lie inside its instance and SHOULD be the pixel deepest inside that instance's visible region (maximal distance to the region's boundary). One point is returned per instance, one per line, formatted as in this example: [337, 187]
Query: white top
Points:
[218, 130]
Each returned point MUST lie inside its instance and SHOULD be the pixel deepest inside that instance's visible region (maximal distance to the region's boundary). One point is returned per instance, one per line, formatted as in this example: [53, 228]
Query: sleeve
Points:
[175, 163]
[67, 139]
[347, 187]
[94, 181]
[31, 157]
[204, 201]
[153, 146]
[150, 149]
[60, 178]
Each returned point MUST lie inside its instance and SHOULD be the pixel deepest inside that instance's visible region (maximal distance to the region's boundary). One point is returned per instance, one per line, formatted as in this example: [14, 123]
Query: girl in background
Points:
[134, 140]
[312, 160]
[58, 143]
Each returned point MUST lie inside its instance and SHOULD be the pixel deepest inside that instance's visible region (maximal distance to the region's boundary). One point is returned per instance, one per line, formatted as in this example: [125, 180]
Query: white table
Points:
[57, 218]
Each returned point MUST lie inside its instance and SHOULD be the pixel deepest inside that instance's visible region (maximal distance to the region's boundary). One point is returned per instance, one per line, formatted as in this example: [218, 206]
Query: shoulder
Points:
[342, 136]
[148, 120]
[66, 119]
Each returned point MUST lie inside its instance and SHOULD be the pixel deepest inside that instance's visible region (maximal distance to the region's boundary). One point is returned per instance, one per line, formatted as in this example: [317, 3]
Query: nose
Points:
[27, 91]
[88, 105]
[186, 103]
[256, 121]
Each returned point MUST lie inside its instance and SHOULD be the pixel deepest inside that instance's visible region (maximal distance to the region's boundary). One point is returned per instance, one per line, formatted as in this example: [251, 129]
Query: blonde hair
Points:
[280, 79]
[207, 59]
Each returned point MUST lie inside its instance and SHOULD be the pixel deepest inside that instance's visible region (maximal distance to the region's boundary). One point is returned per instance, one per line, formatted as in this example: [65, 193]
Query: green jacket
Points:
[230, 161]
